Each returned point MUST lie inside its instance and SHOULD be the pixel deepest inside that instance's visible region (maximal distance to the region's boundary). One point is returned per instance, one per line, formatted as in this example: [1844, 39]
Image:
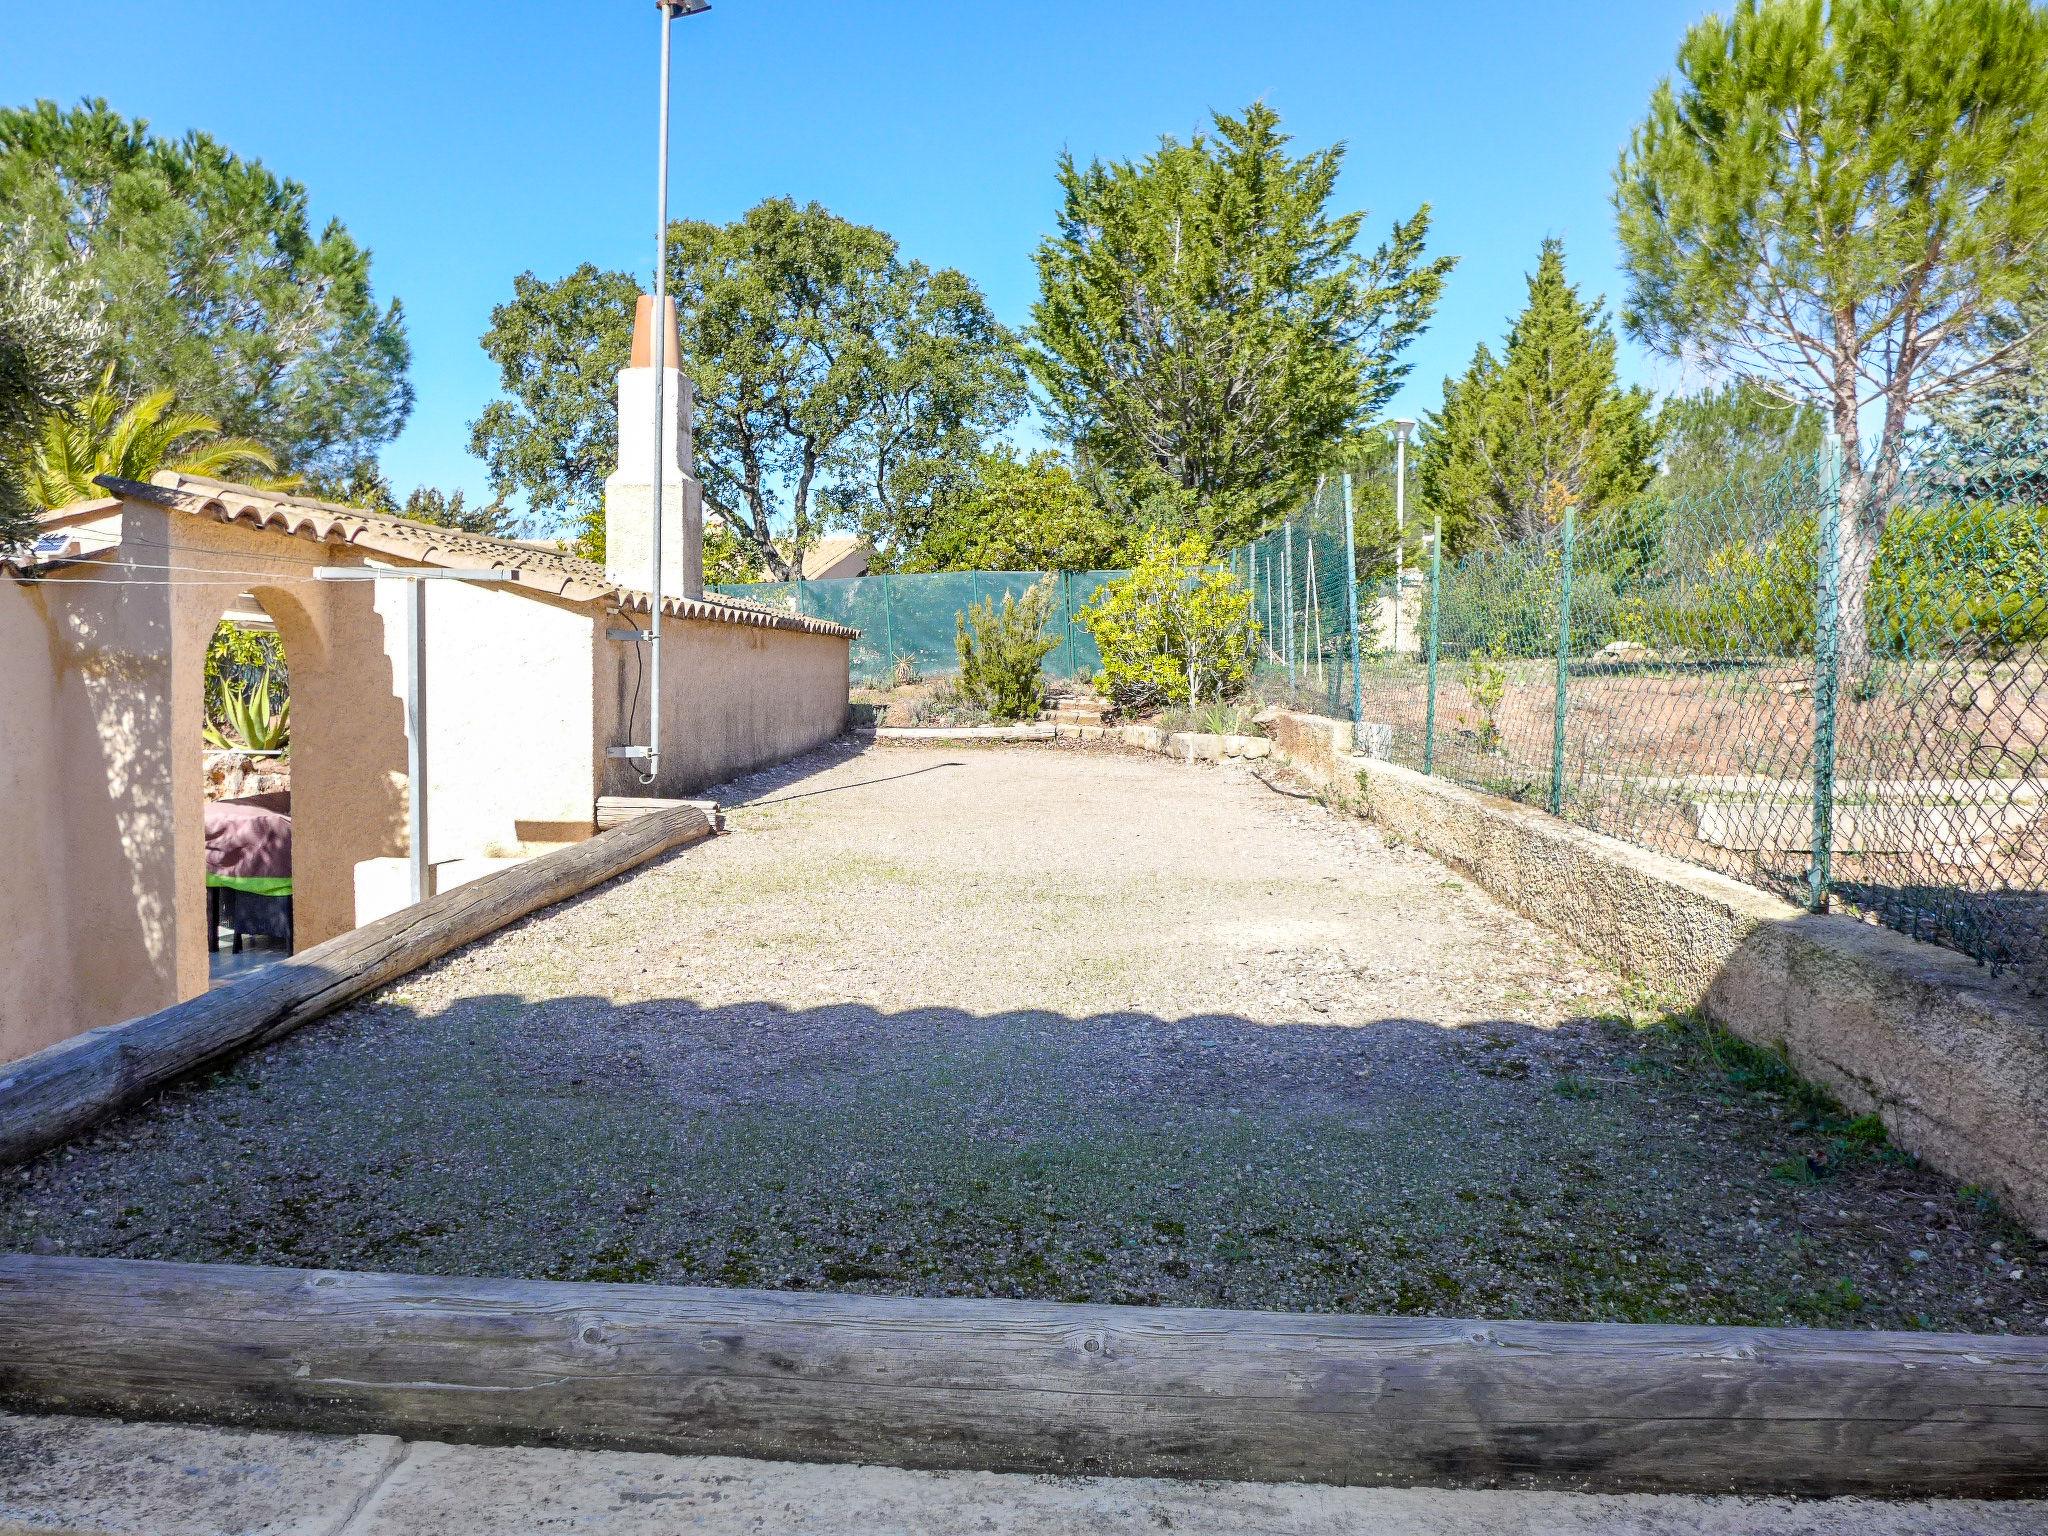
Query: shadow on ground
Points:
[1592, 1171]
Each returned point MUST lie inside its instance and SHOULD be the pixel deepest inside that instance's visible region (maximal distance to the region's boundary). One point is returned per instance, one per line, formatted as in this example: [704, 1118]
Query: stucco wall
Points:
[1952, 1059]
[118, 647]
[40, 996]
[509, 708]
[734, 697]
[104, 887]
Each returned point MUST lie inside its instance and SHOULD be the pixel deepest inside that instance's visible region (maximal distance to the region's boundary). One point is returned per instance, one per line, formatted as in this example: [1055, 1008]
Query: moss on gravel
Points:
[1054, 1025]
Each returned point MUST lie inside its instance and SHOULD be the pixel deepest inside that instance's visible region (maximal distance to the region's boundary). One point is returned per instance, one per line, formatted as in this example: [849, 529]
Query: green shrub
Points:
[1002, 651]
[945, 705]
[1176, 630]
[236, 660]
[1941, 573]
[1212, 719]
[252, 721]
[1486, 680]
[1944, 572]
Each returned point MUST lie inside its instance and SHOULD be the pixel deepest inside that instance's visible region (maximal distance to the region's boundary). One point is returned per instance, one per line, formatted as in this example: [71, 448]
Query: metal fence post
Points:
[1351, 601]
[889, 630]
[1287, 598]
[1436, 575]
[1065, 607]
[1564, 649]
[1827, 617]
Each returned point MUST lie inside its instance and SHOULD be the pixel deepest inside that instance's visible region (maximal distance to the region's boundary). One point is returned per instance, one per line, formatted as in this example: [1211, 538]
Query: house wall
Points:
[37, 954]
[103, 890]
[510, 698]
[735, 697]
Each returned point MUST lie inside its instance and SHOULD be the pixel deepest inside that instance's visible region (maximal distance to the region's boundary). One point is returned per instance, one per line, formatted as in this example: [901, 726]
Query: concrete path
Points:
[76, 1477]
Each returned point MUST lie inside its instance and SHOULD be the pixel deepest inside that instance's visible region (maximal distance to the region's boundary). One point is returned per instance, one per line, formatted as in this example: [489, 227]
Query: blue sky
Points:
[464, 144]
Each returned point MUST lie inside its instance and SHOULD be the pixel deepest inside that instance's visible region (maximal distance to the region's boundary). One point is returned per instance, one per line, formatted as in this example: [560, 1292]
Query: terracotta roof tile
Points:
[540, 570]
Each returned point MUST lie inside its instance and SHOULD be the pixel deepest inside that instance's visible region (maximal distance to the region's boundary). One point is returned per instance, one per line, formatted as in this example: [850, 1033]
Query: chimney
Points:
[629, 494]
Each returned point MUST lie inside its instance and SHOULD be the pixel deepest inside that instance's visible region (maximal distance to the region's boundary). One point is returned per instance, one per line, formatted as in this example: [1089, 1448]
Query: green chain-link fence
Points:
[911, 622]
[1311, 635]
[1825, 684]
[1831, 685]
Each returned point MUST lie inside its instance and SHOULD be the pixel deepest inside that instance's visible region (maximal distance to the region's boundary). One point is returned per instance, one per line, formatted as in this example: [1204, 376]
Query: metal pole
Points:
[1400, 523]
[1436, 574]
[1067, 618]
[889, 629]
[1564, 648]
[1827, 614]
[1351, 601]
[416, 734]
[1287, 600]
[1254, 642]
[660, 352]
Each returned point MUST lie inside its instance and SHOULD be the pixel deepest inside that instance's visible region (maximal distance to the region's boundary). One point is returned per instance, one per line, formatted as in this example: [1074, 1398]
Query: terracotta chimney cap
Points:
[643, 344]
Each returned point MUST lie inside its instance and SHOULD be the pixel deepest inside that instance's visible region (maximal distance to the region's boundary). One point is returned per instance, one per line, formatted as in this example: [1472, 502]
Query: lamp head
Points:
[1403, 426]
[674, 8]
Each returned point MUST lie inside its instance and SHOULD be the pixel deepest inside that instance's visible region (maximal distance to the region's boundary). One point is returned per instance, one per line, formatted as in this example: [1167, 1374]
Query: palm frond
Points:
[102, 435]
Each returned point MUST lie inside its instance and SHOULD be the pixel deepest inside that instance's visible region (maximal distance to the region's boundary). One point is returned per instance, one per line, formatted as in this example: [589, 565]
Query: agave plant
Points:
[253, 722]
[102, 435]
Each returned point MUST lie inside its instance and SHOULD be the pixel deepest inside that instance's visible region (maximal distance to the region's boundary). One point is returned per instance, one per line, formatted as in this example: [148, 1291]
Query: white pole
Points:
[1401, 430]
[416, 734]
[660, 358]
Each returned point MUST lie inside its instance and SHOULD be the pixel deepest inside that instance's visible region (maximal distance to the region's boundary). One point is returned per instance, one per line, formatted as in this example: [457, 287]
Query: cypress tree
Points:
[1545, 426]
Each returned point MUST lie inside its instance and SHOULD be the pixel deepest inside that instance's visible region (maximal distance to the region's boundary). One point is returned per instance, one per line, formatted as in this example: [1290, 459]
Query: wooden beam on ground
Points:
[617, 810]
[1028, 1386]
[54, 1094]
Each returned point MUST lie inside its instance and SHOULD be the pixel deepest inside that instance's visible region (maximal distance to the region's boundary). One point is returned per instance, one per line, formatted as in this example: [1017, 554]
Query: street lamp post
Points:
[670, 10]
[1402, 428]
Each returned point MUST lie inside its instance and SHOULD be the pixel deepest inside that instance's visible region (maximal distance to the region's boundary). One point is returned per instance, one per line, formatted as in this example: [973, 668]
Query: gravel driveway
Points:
[1043, 1022]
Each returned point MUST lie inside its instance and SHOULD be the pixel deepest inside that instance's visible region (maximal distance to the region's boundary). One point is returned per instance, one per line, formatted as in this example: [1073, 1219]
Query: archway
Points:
[248, 794]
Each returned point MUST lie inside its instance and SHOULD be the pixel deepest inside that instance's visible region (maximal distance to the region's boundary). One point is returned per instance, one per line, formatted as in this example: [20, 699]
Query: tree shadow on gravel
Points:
[1593, 1171]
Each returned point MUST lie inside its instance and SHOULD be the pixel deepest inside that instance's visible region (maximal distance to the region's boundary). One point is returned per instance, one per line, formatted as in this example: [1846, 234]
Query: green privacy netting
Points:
[914, 619]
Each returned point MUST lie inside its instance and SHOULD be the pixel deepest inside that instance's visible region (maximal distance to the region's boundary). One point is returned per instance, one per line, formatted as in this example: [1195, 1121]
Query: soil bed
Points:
[1070, 1024]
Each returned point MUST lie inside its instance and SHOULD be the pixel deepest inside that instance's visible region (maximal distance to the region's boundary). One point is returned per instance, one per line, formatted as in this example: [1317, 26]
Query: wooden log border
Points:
[1028, 1386]
[58, 1092]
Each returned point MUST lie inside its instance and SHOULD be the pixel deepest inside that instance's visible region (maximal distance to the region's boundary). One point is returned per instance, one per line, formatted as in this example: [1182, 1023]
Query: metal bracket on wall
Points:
[627, 752]
[629, 635]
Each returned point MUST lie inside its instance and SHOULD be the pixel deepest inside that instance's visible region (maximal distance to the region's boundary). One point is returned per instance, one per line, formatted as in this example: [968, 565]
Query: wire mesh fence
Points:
[910, 623]
[1828, 683]
[1306, 644]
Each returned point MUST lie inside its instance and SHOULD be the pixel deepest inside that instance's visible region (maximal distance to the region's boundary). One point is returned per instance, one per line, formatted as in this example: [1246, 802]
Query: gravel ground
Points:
[1058, 1023]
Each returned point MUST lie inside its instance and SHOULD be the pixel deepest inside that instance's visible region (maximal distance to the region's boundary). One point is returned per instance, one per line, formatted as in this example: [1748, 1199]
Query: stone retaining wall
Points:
[1952, 1058]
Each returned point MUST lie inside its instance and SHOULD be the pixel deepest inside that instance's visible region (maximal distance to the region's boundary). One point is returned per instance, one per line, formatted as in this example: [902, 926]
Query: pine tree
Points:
[1545, 426]
[1847, 202]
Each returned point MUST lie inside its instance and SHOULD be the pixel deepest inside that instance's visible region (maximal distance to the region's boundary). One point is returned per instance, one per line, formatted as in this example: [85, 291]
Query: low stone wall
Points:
[1189, 746]
[1954, 1060]
[232, 775]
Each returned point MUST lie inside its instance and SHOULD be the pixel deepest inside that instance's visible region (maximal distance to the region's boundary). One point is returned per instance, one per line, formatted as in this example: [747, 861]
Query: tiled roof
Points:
[539, 570]
[830, 551]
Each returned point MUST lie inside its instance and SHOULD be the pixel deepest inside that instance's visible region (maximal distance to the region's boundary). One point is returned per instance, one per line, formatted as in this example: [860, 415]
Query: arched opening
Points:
[248, 792]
